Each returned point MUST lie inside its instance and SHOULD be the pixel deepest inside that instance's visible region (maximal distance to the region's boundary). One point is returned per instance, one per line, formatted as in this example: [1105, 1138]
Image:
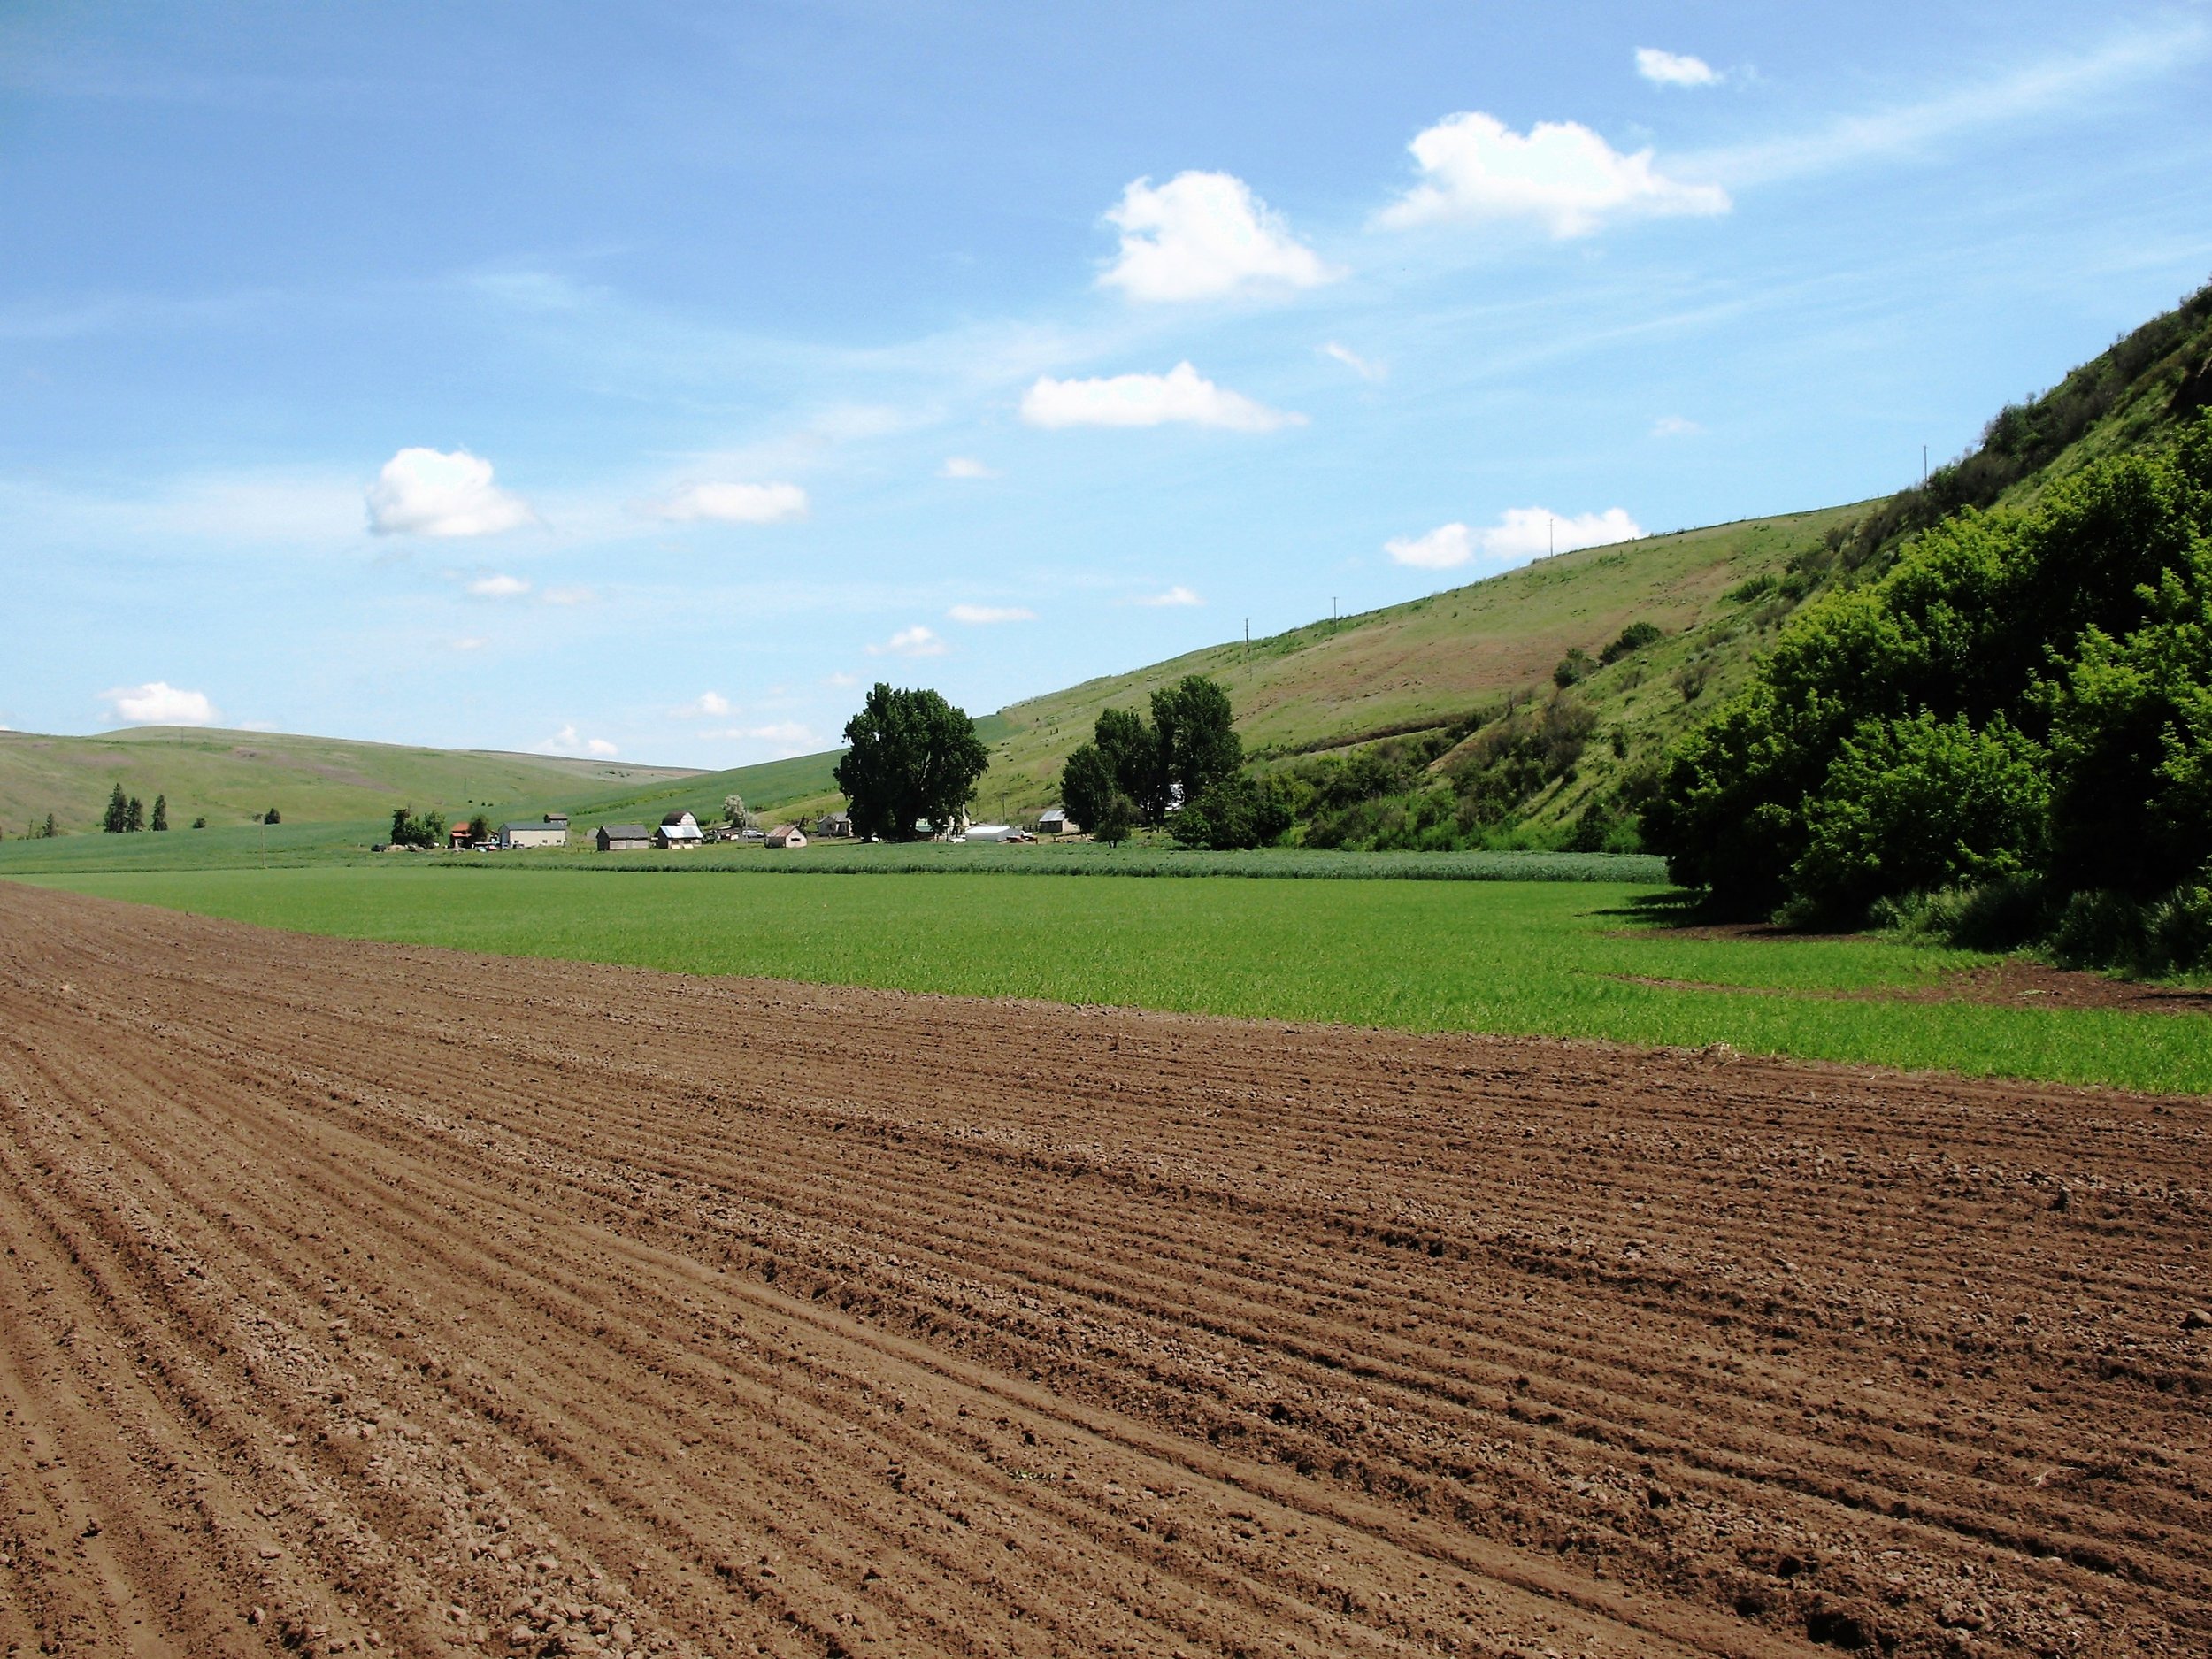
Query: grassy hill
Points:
[230, 778]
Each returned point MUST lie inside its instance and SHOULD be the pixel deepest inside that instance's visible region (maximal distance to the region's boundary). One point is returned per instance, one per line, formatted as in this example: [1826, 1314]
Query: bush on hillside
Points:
[1631, 640]
[2021, 692]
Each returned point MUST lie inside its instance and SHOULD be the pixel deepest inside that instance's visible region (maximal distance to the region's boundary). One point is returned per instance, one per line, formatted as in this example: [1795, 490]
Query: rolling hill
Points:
[1428, 666]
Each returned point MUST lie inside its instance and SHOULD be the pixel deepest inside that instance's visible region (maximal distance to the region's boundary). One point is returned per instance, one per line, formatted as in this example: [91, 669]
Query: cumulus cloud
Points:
[568, 740]
[157, 703]
[706, 704]
[1363, 367]
[1201, 237]
[1521, 533]
[733, 503]
[499, 588]
[1178, 595]
[1560, 173]
[1148, 400]
[982, 614]
[1675, 427]
[426, 492]
[915, 642]
[966, 466]
[1674, 69]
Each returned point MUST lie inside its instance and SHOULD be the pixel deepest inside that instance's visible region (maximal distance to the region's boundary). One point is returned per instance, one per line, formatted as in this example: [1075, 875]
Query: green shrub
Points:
[1631, 640]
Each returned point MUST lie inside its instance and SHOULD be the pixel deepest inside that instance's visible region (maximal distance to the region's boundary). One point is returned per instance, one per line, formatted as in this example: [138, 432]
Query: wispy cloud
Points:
[984, 615]
[499, 588]
[1365, 368]
[1178, 595]
[966, 466]
[705, 705]
[2031, 90]
[1675, 427]
[915, 642]
[733, 503]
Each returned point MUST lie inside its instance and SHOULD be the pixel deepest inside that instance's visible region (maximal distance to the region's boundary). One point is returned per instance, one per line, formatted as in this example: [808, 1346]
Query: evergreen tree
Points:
[134, 815]
[272, 817]
[51, 829]
[117, 817]
[161, 813]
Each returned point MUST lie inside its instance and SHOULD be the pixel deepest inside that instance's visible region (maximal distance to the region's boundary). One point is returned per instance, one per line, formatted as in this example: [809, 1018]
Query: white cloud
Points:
[966, 466]
[840, 679]
[1521, 533]
[1674, 69]
[915, 642]
[733, 503]
[474, 643]
[1560, 173]
[567, 740]
[1204, 235]
[1446, 545]
[1178, 595]
[789, 736]
[570, 595]
[707, 704]
[1675, 427]
[425, 492]
[1366, 369]
[157, 703]
[1148, 400]
[499, 588]
[982, 614]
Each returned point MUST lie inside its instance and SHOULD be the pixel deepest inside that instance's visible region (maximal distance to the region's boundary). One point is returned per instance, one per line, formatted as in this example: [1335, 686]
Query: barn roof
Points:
[626, 832]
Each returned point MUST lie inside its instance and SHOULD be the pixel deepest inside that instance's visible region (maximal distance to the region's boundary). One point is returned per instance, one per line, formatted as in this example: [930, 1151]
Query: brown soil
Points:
[365, 1294]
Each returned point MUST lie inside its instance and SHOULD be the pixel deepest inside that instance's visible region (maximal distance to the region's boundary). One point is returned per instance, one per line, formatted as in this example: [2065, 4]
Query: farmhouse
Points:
[834, 827]
[678, 830]
[786, 835]
[624, 838]
[513, 836]
[1053, 821]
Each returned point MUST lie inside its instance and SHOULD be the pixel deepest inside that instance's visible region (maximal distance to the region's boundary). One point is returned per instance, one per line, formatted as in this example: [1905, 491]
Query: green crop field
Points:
[1563, 959]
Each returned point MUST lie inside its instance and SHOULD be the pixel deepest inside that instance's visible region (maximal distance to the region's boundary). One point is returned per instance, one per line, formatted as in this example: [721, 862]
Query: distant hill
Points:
[233, 776]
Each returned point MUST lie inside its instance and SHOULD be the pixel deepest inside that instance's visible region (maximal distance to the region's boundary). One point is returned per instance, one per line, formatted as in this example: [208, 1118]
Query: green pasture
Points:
[1568, 959]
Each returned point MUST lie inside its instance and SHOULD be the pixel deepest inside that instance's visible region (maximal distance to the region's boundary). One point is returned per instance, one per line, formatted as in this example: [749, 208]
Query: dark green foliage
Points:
[912, 757]
[2022, 691]
[161, 813]
[1087, 784]
[480, 830]
[1744, 592]
[134, 816]
[413, 829]
[1631, 640]
[1575, 667]
[1234, 814]
[272, 817]
[118, 816]
[1194, 744]
[200, 822]
[1918, 805]
[1131, 753]
[1115, 819]
[49, 830]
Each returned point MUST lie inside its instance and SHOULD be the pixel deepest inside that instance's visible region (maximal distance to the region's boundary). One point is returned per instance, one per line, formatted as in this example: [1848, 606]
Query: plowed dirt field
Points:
[363, 1297]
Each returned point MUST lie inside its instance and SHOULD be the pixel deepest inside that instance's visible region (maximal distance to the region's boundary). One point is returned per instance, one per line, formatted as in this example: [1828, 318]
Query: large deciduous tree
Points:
[910, 755]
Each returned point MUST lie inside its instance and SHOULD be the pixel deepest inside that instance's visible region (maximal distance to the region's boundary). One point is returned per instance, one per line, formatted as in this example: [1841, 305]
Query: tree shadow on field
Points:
[1689, 913]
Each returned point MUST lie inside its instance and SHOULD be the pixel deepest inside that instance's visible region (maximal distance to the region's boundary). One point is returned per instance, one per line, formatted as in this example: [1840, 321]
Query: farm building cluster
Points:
[680, 831]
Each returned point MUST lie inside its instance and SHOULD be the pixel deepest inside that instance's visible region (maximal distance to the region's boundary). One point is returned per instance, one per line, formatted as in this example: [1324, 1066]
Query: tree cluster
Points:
[2025, 696]
[126, 815]
[911, 757]
[410, 829]
[1184, 769]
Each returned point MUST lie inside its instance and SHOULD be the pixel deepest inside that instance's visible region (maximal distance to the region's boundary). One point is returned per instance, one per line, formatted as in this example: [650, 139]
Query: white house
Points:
[786, 835]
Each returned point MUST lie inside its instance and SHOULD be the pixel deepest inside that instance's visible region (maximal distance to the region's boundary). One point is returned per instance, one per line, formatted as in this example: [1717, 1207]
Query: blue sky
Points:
[647, 379]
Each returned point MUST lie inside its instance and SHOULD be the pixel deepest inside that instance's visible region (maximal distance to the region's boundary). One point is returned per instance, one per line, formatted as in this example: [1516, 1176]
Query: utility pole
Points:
[1248, 638]
[1551, 527]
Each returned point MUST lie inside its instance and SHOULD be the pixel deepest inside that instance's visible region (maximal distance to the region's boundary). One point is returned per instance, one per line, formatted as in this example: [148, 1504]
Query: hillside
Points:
[231, 777]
